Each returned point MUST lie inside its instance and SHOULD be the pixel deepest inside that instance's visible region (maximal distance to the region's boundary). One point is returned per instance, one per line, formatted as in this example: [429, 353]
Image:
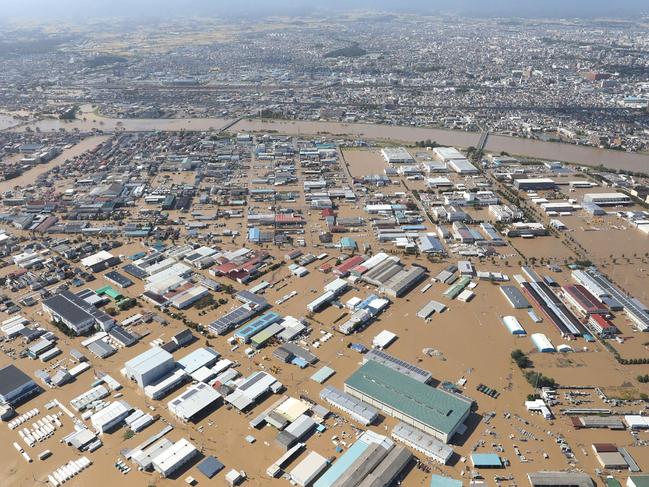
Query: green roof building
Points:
[640, 480]
[432, 410]
[347, 243]
[110, 292]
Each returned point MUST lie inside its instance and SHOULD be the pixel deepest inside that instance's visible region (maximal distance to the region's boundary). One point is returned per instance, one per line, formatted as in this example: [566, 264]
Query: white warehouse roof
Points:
[513, 325]
[173, 457]
[193, 400]
[308, 469]
[148, 360]
[383, 339]
[97, 258]
[106, 417]
[542, 343]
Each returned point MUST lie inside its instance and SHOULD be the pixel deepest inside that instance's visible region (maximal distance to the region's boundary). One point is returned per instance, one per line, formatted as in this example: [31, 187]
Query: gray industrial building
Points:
[363, 465]
[556, 479]
[422, 442]
[389, 469]
[534, 184]
[16, 386]
[75, 313]
[430, 308]
[295, 432]
[515, 297]
[359, 411]
[403, 281]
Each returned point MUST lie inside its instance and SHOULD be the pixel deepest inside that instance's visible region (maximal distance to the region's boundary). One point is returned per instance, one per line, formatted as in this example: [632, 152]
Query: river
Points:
[128, 124]
[589, 156]
[556, 151]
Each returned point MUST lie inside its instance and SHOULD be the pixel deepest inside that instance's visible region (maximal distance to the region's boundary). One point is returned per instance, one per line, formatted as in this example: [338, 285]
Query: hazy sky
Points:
[172, 8]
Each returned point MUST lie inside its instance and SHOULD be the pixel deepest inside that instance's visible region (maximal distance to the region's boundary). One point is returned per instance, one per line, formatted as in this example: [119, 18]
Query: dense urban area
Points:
[356, 252]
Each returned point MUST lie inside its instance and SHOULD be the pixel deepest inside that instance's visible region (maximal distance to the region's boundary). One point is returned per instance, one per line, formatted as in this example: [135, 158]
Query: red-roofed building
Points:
[288, 219]
[604, 447]
[343, 269]
[242, 268]
[17, 273]
[602, 325]
[581, 299]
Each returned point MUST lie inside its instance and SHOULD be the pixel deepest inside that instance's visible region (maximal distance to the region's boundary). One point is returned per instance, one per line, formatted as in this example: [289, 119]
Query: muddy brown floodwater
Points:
[28, 177]
[7, 121]
[590, 156]
[495, 143]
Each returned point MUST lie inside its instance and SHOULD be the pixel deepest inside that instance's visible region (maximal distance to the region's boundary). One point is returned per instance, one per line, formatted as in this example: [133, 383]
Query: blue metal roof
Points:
[323, 374]
[246, 332]
[254, 234]
[429, 243]
[441, 481]
[348, 242]
[210, 467]
[366, 302]
[486, 460]
[300, 362]
[342, 464]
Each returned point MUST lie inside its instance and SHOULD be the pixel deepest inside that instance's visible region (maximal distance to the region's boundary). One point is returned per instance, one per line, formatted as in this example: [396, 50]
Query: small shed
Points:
[383, 339]
[210, 467]
[486, 460]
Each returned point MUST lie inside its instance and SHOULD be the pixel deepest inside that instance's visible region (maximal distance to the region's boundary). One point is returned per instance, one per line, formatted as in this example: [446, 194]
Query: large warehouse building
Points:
[149, 366]
[432, 410]
[174, 457]
[397, 155]
[553, 479]
[15, 385]
[608, 199]
[534, 184]
[76, 313]
[193, 401]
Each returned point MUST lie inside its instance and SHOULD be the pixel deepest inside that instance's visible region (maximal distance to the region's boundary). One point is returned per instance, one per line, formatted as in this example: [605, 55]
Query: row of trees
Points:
[427, 143]
[522, 360]
[534, 378]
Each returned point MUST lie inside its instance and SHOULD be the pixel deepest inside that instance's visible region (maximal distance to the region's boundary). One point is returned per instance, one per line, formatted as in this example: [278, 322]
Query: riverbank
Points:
[588, 156]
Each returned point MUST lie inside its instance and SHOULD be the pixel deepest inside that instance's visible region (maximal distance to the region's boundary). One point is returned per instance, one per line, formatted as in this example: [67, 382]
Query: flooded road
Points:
[7, 121]
[589, 156]
[28, 177]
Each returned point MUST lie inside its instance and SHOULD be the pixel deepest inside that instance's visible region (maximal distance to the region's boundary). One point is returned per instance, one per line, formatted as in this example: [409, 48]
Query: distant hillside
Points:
[350, 51]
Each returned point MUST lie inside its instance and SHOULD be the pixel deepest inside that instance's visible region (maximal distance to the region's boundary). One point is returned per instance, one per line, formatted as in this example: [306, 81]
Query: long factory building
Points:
[608, 293]
[551, 305]
[434, 411]
[373, 460]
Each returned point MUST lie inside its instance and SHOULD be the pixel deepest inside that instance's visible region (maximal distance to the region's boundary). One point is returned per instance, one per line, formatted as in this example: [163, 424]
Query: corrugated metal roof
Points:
[485, 460]
[434, 407]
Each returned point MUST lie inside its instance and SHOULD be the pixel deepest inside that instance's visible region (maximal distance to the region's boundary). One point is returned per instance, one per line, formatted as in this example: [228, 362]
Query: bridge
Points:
[231, 123]
[482, 142]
